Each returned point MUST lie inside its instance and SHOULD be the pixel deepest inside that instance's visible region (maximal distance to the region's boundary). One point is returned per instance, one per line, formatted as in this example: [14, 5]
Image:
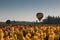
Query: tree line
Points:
[52, 20]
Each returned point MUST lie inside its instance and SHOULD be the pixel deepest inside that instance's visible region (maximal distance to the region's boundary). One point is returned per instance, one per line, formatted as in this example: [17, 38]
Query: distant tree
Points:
[51, 20]
[8, 22]
[14, 21]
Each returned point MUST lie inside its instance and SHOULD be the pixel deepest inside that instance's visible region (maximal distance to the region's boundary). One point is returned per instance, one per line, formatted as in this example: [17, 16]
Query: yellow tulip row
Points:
[30, 33]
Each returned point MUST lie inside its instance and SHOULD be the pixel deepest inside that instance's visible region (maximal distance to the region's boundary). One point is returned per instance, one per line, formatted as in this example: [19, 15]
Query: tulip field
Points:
[44, 32]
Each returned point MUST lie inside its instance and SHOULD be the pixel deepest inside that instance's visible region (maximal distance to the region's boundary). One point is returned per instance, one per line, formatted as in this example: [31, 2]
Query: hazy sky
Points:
[25, 10]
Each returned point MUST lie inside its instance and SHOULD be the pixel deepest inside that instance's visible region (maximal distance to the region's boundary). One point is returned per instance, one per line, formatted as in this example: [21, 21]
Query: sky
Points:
[26, 10]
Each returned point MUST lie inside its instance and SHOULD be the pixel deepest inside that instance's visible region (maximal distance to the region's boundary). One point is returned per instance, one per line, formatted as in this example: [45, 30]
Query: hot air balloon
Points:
[39, 16]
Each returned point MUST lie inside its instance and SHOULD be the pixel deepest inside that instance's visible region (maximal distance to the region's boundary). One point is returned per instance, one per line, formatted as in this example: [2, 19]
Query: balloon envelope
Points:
[39, 16]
